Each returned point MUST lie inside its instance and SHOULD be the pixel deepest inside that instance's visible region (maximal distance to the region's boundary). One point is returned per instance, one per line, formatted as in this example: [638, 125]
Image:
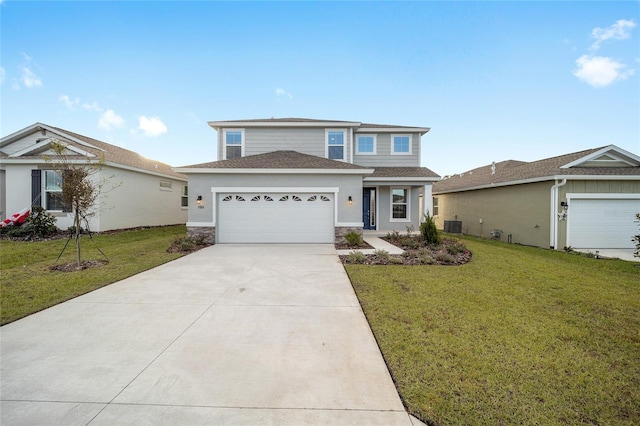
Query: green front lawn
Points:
[29, 286]
[519, 335]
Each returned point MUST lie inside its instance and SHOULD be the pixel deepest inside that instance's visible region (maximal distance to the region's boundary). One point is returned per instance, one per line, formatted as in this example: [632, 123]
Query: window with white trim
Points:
[366, 145]
[184, 199]
[52, 183]
[399, 204]
[165, 185]
[335, 144]
[435, 206]
[401, 144]
[233, 144]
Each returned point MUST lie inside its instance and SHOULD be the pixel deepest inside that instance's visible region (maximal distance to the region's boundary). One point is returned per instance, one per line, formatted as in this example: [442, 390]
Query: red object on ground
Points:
[16, 218]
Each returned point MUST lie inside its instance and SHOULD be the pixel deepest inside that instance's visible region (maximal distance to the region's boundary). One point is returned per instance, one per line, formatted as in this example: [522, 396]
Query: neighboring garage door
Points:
[602, 223]
[275, 218]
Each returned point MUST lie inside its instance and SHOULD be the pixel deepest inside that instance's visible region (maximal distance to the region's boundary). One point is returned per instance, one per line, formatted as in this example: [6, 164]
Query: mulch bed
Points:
[448, 252]
[346, 246]
[73, 266]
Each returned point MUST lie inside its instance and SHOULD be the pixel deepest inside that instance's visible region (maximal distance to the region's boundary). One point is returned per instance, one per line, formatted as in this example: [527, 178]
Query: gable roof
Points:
[310, 122]
[582, 164]
[85, 146]
[277, 160]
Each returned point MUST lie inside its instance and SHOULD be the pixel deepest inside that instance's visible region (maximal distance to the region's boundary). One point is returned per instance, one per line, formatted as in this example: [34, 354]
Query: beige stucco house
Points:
[583, 200]
[139, 192]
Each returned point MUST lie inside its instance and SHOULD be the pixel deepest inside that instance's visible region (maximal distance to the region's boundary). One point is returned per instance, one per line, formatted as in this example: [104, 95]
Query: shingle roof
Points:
[122, 156]
[312, 120]
[409, 172]
[511, 172]
[278, 160]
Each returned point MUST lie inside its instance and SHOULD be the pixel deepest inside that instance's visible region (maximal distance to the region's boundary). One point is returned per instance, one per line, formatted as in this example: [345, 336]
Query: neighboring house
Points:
[146, 193]
[585, 199]
[294, 180]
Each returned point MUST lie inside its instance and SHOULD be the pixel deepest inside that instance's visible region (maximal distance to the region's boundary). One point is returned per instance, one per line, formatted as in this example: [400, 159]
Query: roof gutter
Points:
[553, 230]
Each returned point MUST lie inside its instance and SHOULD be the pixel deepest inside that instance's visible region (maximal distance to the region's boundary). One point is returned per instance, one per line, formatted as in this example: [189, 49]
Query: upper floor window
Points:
[401, 144]
[165, 185]
[366, 145]
[335, 145]
[233, 144]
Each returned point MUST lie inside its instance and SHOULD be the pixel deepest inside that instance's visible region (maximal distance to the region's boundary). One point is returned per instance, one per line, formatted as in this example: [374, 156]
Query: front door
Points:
[369, 208]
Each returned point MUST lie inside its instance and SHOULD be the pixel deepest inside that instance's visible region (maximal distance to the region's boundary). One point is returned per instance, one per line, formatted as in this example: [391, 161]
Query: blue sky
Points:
[493, 80]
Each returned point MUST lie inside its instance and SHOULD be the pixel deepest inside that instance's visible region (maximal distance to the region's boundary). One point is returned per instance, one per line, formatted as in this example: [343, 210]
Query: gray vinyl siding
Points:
[311, 141]
[384, 158]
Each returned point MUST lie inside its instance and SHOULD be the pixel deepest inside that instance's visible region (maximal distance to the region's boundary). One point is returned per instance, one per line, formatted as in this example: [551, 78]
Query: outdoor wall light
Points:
[350, 200]
[199, 200]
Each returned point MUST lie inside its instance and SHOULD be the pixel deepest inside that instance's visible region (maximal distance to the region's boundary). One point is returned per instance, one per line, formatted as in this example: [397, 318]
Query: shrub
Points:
[393, 235]
[428, 230]
[410, 243]
[444, 257]
[454, 247]
[357, 257]
[382, 255]
[396, 261]
[353, 239]
[40, 222]
[426, 259]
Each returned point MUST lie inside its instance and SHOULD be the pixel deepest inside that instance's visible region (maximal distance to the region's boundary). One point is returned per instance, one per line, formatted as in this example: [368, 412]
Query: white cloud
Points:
[619, 31]
[29, 79]
[600, 71]
[282, 92]
[110, 120]
[92, 106]
[70, 103]
[152, 126]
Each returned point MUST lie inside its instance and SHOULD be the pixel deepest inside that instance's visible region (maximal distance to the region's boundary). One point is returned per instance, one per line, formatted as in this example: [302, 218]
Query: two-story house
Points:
[295, 180]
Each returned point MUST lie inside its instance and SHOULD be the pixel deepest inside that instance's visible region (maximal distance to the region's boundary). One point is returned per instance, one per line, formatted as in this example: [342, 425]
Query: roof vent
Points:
[493, 168]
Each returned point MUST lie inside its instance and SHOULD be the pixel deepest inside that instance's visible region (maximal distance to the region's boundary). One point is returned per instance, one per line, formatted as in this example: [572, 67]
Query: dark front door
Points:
[369, 208]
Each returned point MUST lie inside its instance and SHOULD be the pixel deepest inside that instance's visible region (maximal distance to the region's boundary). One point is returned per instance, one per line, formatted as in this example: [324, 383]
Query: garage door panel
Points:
[275, 218]
[602, 223]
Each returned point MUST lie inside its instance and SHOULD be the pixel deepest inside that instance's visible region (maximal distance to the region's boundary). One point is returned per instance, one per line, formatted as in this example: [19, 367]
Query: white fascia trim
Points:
[604, 151]
[199, 170]
[47, 144]
[543, 179]
[350, 224]
[274, 189]
[225, 124]
[421, 130]
[401, 179]
[144, 171]
[602, 196]
[201, 224]
[37, 127]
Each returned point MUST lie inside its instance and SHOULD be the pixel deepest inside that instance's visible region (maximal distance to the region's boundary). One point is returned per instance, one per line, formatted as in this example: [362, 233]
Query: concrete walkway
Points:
[232, 334]
[377, 244]
[622, 254]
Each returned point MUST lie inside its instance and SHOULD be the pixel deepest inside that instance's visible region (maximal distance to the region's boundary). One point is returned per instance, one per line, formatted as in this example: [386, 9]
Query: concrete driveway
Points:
[232, 334]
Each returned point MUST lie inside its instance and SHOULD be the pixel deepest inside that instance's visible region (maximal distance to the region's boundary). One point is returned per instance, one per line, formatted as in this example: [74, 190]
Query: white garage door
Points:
[275, 218]
[602, 223]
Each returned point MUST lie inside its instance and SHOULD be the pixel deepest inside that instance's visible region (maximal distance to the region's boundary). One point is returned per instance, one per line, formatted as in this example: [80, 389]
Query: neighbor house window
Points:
[165, 185]
[366, 145]
[399, 204]
[233, 144]
[184, 201]
[53, 191]
[401, 144]
[435, 206]
[335, 144]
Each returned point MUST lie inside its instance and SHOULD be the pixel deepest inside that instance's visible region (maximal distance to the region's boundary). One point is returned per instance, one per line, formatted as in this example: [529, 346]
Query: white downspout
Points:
[553, 231]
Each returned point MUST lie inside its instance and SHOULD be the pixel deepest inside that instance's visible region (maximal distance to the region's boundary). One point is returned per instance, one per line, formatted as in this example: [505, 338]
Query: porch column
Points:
[427, 201]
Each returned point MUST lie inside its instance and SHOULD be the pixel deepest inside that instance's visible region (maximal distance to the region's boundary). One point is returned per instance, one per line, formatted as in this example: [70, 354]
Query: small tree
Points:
[80, 186]
[636, 239]
[428, 230]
